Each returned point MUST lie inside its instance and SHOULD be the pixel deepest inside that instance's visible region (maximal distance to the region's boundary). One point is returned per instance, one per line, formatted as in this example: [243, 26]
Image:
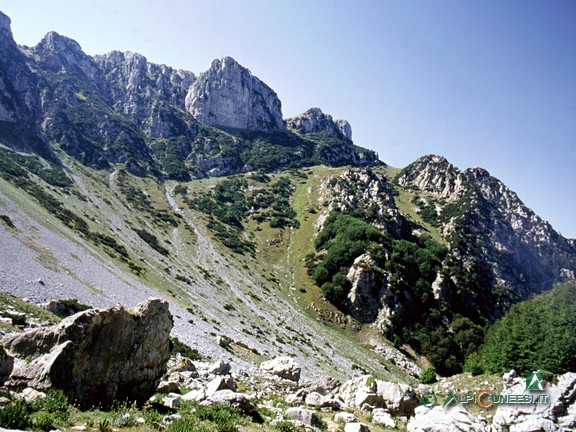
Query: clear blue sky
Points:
[487, 83]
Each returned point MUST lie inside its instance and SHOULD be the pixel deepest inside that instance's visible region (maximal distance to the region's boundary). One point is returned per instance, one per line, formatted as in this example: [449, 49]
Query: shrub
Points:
[16, 415]
[44, 421]
[428, 375]
[285, 426]
[185, 350]
[152, 241]
[55, 402]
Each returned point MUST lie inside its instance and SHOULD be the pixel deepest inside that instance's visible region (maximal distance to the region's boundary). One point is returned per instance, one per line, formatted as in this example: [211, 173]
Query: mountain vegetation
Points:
[538, 334]
[121, 178]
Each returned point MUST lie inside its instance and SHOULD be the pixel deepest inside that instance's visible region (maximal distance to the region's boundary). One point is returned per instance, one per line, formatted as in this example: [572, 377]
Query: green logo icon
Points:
[535, 381]
[429, 400]
[449, 399]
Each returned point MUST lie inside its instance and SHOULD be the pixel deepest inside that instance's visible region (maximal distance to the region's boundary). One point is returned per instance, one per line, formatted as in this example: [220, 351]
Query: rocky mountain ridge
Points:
[118, 108]
[108, 195]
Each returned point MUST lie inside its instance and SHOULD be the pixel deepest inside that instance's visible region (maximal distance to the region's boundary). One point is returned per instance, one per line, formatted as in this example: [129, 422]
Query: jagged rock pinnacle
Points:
[229, 95]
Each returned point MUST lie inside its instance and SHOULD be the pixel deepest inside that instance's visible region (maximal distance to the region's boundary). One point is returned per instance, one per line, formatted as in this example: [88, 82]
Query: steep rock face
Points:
[369, 297]
[76, 112]
[61, 54]
[491, 234]
[149, 93]
[314, 120]
[229, 95]
[19, 100]
[119, 109]
[96, 356]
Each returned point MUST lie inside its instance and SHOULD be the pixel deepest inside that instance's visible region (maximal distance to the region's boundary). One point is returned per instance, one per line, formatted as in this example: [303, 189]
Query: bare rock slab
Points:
[96, 356]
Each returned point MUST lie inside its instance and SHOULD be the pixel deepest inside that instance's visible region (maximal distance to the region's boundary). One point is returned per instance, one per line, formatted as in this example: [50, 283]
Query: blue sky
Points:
[482, 82]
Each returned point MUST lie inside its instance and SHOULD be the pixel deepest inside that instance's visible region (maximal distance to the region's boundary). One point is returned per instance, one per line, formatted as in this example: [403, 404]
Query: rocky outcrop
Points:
[149, 93]
[229, 95]
[59, 53]
[19, 101]
[314, 120]
[96, 356]
[366, 392]
[490, 232]
[434, 174]
[370, 298]
[369, 191]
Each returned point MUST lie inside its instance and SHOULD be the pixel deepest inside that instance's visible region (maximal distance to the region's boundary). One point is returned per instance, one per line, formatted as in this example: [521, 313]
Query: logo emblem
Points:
[535, 381]
[449, 399]
[429, 400]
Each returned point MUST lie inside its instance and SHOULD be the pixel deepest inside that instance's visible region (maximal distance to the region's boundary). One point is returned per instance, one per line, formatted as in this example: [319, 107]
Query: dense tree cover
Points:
[342, 240]
[411, 266]
[539, 333]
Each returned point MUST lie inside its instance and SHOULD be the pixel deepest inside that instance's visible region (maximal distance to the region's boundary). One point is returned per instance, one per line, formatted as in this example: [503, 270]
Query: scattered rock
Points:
[284, 367]
[297, 397]
[400, 399]
[223, 341]
[308, 417]
[229, 397]
[181, 364]
[526, 417]
[31, 395]
[168, 387]
[383, 417]
[367, 393]
[90, 360]
[345, 417]
[325, 385]
[437, 419]
[195, 395]
[220, 383]
[356, 427]
[317, 400]
[219, 368]
[172, 401]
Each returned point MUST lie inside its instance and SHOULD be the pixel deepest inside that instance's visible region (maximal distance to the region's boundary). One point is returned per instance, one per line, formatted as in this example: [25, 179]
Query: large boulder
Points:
[96, 356]
[284, 367]
[308, 417]
[398, 399]
[437, 419]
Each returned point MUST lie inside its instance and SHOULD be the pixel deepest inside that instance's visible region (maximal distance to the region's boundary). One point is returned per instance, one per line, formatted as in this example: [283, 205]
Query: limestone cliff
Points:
[229, 95]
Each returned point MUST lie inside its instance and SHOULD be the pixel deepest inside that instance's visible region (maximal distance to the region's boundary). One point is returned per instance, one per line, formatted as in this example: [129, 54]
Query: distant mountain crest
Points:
[119, 108]
[314, 120]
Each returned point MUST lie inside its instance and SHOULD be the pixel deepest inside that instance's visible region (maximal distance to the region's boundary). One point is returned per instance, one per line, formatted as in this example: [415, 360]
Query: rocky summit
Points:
[229, 95]
[314, 120]
[301, 280]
